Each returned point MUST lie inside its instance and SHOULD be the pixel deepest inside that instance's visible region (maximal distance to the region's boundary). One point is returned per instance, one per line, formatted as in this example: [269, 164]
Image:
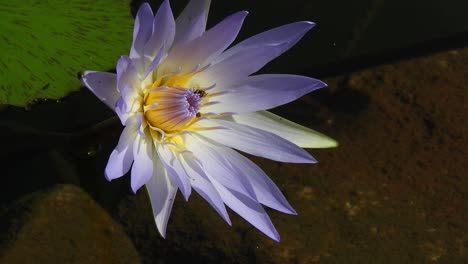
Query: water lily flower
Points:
[187, 101]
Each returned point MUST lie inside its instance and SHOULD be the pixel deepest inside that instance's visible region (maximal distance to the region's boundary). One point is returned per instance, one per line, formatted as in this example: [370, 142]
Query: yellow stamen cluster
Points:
[170, 105]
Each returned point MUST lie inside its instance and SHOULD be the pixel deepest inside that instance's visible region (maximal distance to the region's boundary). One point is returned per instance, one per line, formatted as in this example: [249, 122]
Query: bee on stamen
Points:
[200, 93]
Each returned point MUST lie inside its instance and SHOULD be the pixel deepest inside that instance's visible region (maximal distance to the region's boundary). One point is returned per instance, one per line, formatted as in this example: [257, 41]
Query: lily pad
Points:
[45, 44]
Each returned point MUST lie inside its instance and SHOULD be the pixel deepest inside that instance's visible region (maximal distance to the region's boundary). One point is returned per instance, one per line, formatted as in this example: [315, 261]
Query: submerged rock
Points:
[63, 225]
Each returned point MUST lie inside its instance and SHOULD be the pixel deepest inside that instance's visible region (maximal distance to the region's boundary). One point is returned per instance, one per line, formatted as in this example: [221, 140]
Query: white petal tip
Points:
[304, 159]
[316, 140]
[275, 237]
[107, 177]
[185, 195]
[146, 5]
[289, 210]
[333, 143]
[135, 188]
[84, 78]
[309, 24]
[162, 233]
[110, 175]
[85, 73]
[308, 159]
[324, 142]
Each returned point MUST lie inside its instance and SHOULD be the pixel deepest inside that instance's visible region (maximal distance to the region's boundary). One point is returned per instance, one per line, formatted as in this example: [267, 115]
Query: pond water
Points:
[394, 191]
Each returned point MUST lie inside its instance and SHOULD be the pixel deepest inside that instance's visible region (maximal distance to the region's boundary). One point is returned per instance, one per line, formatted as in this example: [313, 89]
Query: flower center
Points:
[171, 108]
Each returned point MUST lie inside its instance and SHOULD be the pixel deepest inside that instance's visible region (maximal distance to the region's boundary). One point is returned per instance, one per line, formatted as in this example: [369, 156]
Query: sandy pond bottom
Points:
[394, 191]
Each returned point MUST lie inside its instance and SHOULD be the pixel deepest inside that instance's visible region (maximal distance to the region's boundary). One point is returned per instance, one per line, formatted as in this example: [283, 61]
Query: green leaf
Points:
[45, 44]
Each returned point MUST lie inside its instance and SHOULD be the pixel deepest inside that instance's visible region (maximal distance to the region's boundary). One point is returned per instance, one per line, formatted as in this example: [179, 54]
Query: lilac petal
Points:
[255, 141]
[184, 23]
[190, 54]
[264, 91]
[154, 63]
[217, 166]
[142, 169]
[252, 54]
[127, 77]
[121, 157]
[162, 192]
[175, 169]
[123, 107]
[128, 84]
[230, 71]
[163, 31]
[140, 124]
[142, 30]
[204, 187]
[266, 192]
[248, 209]
[103, 85]
[288, 34]
[122, 111]
[195, 29]
[302, 136]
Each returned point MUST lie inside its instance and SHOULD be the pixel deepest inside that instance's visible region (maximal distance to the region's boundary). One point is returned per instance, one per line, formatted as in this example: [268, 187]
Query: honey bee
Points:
[200, 93]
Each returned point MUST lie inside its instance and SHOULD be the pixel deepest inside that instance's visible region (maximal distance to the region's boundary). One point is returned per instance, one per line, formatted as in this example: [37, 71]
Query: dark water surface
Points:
[357, 32]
